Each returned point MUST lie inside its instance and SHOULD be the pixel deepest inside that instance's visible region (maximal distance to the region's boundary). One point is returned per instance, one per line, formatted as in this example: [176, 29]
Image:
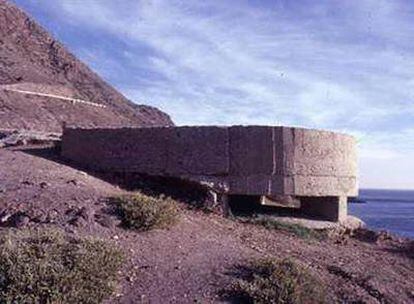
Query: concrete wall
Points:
[253, 160]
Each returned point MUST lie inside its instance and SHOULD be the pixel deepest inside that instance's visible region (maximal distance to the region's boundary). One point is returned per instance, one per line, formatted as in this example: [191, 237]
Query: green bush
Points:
[283, 282]
[142, 212]
[296, 229]
[47, 266]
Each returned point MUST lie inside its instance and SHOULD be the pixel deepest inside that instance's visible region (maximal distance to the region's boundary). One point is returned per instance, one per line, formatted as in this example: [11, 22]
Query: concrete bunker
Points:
[308, 169]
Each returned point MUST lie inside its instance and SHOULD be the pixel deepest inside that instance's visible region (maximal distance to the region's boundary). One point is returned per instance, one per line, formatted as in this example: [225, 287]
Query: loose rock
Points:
[86, 213]
[105, 220]
[19, 220]
[44, 185]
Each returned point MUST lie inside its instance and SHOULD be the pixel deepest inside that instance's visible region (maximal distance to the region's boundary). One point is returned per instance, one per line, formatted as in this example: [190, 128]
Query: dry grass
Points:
[142, 212]
[296, 229]
[47, 266]
[267, 281]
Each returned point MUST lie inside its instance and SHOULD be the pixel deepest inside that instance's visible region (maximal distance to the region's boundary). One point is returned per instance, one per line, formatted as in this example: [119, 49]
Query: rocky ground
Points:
[11, 138]
[193, 261]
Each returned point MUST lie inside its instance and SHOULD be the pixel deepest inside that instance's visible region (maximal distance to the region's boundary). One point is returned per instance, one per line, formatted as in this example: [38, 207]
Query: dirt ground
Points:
[192, 262]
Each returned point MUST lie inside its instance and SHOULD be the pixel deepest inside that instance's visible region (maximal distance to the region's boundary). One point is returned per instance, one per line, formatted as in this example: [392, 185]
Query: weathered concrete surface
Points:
[331, 208]
[251, 151]
[253, 160]
[198, 151]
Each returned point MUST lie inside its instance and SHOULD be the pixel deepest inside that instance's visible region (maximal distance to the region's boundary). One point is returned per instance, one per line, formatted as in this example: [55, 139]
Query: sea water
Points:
[391, 210]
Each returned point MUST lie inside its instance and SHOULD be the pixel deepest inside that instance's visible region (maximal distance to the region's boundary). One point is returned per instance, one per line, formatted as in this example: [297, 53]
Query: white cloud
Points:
[337, 65]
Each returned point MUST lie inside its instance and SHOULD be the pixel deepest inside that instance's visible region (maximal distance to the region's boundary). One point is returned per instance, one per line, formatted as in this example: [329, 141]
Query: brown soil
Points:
[31, 60]
[194, 260]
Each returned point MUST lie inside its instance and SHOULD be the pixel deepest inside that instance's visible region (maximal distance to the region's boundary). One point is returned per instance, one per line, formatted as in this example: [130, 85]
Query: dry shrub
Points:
[269, 281]
[47, 266]
[142, 212]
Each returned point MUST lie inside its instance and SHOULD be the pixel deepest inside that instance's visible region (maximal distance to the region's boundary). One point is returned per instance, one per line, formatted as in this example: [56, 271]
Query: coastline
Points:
[389, 210]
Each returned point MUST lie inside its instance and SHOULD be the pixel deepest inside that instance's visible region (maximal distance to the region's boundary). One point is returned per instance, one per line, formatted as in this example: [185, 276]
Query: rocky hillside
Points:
[63, 89]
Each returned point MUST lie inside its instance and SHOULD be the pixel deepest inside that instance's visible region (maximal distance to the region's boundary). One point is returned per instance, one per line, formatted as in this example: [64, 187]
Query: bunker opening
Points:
[247, 205]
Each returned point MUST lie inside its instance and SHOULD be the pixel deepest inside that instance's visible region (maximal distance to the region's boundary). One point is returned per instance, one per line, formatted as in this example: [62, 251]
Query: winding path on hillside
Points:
[73, 100]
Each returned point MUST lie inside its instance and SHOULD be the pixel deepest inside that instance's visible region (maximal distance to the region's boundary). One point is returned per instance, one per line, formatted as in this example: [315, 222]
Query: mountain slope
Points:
[32, 61]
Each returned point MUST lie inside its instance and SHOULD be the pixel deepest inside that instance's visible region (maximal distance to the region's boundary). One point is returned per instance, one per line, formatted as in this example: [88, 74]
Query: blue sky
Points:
[341, 65]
